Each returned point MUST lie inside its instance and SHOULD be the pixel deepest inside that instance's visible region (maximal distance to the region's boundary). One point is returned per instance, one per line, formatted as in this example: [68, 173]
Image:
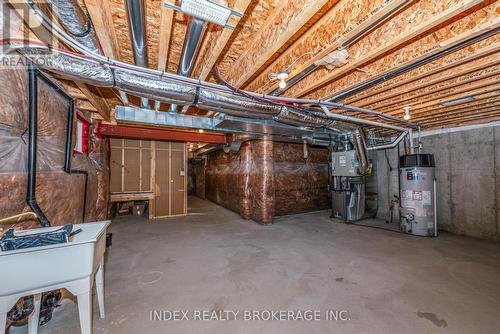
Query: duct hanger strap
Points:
[196, 96]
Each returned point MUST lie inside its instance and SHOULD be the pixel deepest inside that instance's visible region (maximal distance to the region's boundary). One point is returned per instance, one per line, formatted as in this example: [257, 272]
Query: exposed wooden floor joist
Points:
[278, 35]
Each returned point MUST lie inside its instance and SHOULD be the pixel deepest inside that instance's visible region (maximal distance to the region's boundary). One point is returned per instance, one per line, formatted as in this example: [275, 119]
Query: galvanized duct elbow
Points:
[357, 139]
[76, 22]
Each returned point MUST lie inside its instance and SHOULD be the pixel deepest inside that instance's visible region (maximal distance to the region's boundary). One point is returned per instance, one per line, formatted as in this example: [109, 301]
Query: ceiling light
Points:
[406, 115]
[282, 76]
[200, 130]
[458, 101]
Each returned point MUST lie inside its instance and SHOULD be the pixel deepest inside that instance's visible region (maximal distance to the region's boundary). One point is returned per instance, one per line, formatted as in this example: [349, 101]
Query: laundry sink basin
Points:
[70, 265]
[33, 268]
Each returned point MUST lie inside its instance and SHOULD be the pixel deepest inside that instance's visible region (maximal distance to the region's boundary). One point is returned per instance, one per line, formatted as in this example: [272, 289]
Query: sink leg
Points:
[99, 287]
[3, 322]
[85, 311]
[34, 317]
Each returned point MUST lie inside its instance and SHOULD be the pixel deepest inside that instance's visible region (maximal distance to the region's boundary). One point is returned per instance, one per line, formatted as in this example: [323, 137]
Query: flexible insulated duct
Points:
[76, 22]
[147, 86]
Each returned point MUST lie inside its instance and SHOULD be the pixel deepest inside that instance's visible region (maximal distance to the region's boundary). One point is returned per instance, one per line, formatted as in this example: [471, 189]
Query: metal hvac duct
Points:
[76, 22]
[169, 91]
[195, 32]
[194, 35]
[137, 18]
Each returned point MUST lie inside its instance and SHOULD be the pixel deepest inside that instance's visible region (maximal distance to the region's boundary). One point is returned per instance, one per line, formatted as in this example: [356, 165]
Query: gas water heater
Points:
[417, 194]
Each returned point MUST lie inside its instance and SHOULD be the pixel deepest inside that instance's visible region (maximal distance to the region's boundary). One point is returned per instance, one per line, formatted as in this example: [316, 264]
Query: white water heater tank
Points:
[417, 194]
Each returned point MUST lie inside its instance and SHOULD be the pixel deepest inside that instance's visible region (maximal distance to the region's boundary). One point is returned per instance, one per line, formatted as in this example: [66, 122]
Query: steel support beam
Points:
[160, 134]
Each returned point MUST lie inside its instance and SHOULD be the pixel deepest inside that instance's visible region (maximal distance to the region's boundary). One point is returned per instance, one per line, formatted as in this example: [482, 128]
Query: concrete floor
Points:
[213, 260]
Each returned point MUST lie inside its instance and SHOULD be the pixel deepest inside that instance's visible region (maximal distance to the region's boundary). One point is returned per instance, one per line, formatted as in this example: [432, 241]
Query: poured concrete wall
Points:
[468, 176]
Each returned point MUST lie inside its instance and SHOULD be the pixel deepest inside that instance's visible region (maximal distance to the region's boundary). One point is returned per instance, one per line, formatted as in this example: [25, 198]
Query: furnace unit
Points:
[347, 187]
[417, 191]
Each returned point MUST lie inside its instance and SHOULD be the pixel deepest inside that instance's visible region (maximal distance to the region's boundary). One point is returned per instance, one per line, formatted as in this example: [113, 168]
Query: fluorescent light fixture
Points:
[206, 10]
[458, 101]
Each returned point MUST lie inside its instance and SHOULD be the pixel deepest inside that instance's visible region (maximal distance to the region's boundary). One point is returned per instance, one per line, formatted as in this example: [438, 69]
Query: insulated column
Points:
[262, 180]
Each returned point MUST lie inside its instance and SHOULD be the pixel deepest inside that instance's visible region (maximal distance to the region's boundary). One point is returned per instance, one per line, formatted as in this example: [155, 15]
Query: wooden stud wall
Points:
[153, 170]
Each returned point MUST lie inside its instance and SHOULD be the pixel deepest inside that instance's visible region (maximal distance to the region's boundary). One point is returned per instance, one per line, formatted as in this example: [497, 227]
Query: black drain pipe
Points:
[67, 153]
[32, 127]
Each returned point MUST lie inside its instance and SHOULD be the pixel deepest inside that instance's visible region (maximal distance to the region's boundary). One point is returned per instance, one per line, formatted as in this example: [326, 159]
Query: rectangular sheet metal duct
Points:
[226, 124]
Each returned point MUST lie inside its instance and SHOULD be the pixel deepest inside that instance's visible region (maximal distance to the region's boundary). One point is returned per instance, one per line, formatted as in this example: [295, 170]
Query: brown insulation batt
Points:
[300, 184]
[267, 179]
[197, 177]
[224, 179]
[60, 195]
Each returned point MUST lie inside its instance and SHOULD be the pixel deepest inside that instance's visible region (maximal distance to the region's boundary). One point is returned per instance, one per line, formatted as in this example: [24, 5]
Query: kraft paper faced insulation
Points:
[60, 195]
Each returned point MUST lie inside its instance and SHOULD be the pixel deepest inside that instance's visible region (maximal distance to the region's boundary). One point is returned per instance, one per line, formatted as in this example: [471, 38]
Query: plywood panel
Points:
[162, 145]
[115, 142]
[116, 169]
[162, 205]
[177, 146]
[146, 170]
[131, 170]
[178, 181]
[131, 143]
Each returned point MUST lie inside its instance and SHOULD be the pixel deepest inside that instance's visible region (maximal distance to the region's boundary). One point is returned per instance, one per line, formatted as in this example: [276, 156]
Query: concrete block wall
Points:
[468, 178]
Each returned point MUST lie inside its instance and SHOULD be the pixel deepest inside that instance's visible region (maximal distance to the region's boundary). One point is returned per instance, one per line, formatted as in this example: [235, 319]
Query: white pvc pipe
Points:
[390, 145]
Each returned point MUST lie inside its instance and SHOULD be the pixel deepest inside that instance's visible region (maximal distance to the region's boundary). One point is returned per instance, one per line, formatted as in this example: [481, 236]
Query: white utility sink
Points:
[69, 265]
